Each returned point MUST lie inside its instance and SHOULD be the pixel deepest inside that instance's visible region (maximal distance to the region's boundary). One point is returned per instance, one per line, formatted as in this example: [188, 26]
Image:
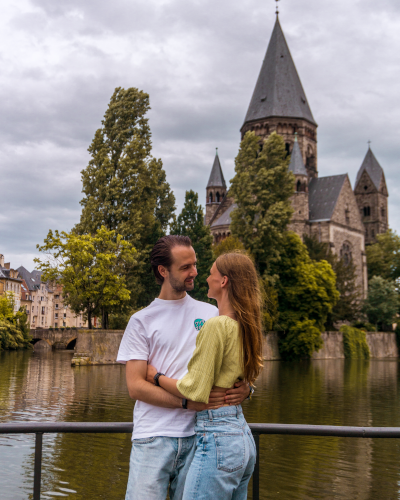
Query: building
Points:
[324, 207]
[10, 282]
[62, 314]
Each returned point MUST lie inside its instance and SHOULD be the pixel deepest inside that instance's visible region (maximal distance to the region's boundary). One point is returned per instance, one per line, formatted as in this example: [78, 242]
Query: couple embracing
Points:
[189, 366]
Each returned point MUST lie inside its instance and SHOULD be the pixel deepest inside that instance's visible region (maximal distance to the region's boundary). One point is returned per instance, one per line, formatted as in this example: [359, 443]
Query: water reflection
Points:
[43, 387]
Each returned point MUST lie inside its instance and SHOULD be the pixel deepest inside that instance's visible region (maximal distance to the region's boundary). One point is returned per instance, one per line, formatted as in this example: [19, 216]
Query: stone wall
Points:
[97, 347]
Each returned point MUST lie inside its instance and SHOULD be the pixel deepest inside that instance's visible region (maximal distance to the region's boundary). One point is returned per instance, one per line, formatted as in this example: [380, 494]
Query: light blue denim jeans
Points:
[157, 462]
[224, 458]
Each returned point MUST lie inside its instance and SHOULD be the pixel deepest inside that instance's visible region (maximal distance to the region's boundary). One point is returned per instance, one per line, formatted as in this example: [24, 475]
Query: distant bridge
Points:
[55, 339]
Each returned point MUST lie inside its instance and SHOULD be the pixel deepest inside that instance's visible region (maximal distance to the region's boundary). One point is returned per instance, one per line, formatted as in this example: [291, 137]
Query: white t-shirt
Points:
[164, 334]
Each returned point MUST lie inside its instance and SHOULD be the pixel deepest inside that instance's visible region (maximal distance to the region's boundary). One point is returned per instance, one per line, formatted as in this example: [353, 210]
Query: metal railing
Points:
[124, 428]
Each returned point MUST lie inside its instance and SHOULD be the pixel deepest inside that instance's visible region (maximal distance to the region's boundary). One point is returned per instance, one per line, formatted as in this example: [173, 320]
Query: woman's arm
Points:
[169, 384]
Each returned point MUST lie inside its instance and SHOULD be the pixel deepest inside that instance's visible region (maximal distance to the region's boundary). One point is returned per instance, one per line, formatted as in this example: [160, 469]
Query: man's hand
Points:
[238, 393]
[216, 400]
[151, 372]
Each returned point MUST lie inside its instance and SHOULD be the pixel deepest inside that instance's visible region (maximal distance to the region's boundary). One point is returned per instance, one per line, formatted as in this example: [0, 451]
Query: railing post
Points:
[256, 473]
[37, 475]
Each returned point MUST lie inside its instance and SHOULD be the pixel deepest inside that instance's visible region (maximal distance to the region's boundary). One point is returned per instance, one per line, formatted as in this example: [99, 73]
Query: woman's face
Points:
[215, 281]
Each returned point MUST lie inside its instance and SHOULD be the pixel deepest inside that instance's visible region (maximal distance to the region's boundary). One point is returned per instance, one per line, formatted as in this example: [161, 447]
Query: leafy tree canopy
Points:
[306, 294]
[14, 327]
[382, 303]
[190, 222]
[383, 257]
[262, 187]
[91, 269]
[229, 244]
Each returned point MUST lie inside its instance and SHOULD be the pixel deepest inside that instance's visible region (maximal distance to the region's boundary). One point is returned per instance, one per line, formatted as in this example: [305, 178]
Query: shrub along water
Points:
[14, 327]
[355, 343]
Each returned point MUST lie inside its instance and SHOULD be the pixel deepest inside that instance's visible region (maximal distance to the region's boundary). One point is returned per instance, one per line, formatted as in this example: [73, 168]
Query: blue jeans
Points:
[224, 458]
[157, 462]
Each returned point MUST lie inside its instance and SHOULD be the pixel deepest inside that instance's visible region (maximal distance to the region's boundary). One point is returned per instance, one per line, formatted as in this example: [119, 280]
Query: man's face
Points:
[183, 270]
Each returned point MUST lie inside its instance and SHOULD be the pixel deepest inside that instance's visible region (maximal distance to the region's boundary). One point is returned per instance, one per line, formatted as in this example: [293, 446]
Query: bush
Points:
[355, 343]
[301, 341]
[364, 325]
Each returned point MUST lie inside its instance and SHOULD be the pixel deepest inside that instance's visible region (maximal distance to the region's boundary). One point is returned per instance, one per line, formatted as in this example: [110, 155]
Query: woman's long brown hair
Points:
[245, 298]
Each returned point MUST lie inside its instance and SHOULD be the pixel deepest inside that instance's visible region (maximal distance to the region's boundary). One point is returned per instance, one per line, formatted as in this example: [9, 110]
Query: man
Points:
[164, 335]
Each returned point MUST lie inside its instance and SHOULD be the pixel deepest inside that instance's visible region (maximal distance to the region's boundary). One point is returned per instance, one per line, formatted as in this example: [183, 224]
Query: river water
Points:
[44, 388]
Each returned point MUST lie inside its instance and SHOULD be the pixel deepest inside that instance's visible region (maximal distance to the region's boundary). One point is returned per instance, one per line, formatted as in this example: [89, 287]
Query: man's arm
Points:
[140, 389]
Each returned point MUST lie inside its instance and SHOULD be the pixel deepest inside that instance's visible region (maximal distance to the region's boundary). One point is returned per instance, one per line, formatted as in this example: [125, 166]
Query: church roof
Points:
[278, 91]
[216, 177]
[374, 170]
[32, 279]
[296, 164]
[323, 196]
[225, 217]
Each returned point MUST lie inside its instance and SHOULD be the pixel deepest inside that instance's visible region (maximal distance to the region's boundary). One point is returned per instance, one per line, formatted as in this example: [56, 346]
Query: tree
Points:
[382, 303]
[190, 222]
[262, 187]
[348, 306]
[14, 327]
[229, 244]
[383, 257]
[125, 188]
[306, 295]
[91, 269]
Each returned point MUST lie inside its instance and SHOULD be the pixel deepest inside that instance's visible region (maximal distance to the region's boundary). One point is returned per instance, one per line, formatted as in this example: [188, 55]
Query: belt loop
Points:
[237, 411]
[210, 415]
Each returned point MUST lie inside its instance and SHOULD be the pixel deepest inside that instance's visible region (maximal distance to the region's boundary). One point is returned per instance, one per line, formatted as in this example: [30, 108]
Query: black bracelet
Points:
[156, 377]
[184, 403]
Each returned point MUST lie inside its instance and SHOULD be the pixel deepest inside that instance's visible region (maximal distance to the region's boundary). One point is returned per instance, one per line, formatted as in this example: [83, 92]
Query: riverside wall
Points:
[100, 347]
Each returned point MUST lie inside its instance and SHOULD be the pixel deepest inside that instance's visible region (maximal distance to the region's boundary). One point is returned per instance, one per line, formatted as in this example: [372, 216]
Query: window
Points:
[56, 296]
[56, 306]
[56, 315]
[345, 253]
[210, 198]
[33, 307]
[43, 310]
[217, 197]
[367, 211]
[365, 188]
[347, 216]
[298, 186]
[63, 323]
[382, 212]
[41, 299]
[56, 325]
[65, 315]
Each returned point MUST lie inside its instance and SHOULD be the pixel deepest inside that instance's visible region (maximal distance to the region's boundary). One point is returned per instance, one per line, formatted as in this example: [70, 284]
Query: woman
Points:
[228, 348]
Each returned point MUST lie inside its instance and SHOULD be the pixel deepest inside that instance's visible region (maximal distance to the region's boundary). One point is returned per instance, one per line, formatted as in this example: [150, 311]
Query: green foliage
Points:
[14, 327]
[270, 312]
[229, 244]
[300, 341]
[382, 303]
[91, 269]
[190, 222]
[306, 295]
[348, 306]
[125, 188]
[354, 342]
[262, 187]
[364, 325]
[383, 257]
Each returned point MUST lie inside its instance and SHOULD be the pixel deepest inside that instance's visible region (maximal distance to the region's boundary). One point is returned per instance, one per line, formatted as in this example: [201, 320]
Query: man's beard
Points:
[180, 286]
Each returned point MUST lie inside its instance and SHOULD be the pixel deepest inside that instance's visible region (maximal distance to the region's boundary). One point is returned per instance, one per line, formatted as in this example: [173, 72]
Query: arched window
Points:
[217, 197]
[382, 212]
[210, 198]
[298, 186]
[287, 146]
[345, 253]
[367, 211]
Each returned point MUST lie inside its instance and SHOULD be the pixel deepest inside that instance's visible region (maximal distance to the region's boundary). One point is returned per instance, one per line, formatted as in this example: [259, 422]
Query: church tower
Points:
[372, 197]
[279, 103]
[216, 189]
[299, 199]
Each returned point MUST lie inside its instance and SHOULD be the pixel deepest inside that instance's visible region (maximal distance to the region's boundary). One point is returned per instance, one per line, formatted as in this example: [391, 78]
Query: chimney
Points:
[8, 265]
[1, 260]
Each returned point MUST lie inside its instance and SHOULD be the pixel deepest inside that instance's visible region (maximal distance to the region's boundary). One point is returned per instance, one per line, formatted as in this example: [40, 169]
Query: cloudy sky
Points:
[199, 61]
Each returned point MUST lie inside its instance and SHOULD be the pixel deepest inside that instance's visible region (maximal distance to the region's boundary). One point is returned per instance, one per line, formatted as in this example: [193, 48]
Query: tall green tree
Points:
[262, 187]
[92, 270]
[306, 295]
[348, 306]
[14, 326]
[125, 188]
[383, 257]
[382, 303]
[190, 222]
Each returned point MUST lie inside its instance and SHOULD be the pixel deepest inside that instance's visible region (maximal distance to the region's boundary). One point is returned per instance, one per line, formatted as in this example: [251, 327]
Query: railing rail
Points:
[40, 428]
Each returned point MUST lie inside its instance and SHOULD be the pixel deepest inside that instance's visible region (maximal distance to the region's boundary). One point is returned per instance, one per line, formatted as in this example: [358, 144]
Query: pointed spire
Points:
[216, 177]
[278, 91]
[296, 161]
[372, 167]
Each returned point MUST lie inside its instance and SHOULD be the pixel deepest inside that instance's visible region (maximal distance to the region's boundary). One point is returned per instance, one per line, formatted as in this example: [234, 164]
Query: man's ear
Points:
[163, 271]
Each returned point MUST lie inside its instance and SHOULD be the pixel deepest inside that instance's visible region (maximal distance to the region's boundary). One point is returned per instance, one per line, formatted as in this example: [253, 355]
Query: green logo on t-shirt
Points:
[198, 323]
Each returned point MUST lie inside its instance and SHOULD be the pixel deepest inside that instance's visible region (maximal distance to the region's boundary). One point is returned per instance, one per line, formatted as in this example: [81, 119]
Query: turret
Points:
[300, 197]
[216, 189]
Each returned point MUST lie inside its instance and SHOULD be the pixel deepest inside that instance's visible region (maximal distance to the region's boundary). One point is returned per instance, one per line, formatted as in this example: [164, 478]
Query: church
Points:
[324, 207]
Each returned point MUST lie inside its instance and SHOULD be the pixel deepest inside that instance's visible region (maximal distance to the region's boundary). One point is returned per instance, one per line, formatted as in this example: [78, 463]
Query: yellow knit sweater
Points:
[217, 359]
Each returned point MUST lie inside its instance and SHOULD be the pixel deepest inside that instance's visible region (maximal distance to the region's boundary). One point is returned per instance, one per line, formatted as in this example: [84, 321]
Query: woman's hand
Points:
[151, 371]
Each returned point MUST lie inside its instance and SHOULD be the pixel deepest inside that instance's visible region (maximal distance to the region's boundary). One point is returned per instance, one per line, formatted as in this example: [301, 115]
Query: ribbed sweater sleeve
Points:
[205, 363]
